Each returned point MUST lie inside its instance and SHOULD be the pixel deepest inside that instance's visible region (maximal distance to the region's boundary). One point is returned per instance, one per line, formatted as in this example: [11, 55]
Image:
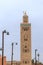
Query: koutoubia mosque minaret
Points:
[25, 32]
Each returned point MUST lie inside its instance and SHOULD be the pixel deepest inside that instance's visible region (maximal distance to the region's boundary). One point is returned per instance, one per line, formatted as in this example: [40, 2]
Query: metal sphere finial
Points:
[24, 12]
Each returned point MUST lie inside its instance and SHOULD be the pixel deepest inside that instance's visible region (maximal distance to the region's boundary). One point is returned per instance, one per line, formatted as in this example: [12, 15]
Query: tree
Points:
[32, 60]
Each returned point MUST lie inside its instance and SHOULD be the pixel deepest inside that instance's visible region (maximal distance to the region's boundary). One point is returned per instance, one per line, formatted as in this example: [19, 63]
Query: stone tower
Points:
[25, 40]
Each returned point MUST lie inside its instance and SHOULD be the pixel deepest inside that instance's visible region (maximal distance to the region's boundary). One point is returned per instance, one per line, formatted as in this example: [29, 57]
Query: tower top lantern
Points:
[25, 18]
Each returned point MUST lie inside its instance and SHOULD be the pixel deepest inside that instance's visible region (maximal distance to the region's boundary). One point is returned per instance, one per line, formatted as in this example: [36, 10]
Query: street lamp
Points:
[3, 32]
[0, 49]
[12, 54]
[35, 57]
[38, 57]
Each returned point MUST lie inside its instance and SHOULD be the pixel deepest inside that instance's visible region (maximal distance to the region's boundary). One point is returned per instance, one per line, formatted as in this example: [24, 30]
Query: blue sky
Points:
[11, 13]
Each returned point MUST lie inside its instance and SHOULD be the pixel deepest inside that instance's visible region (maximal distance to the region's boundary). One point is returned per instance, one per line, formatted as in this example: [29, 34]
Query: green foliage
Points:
[32, 60]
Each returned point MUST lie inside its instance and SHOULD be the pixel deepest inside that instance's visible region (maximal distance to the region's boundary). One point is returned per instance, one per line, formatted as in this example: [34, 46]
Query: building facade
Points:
[25, 41]
[1, 60]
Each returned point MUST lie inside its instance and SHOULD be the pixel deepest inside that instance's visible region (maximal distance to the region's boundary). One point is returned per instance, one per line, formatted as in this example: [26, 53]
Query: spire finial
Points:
[24, 12]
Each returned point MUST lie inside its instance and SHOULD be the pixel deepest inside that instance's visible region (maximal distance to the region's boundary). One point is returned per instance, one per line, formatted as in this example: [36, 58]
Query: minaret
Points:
[25, 40]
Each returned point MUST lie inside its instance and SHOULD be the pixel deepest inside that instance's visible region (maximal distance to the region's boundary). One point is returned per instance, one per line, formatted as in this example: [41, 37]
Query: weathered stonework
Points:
[25, 41]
